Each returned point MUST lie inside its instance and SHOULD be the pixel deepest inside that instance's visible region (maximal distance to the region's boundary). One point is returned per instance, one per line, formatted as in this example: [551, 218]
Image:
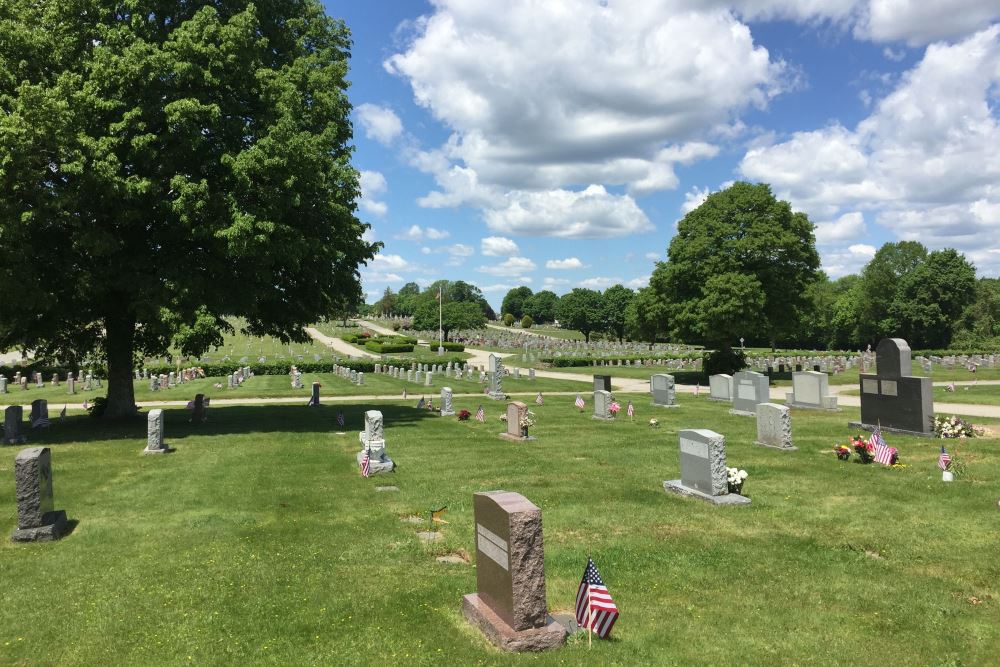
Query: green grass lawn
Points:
[257, 542]
[553, 332]
[277, 386]
[984, 394]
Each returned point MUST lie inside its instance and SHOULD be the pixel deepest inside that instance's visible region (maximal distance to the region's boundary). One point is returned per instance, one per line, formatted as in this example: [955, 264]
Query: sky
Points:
[556, 143]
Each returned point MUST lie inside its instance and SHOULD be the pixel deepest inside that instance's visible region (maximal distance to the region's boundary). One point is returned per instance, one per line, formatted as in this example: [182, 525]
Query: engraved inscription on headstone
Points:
[751, 389]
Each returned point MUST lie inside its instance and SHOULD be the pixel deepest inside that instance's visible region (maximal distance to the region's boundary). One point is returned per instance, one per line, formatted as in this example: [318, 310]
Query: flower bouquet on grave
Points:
[614, 408]
[843, 452]
[653, 423]
[953, 427]
[463, 415]
[736, 478]
[527, 420]
[503, 418]
[865, 449]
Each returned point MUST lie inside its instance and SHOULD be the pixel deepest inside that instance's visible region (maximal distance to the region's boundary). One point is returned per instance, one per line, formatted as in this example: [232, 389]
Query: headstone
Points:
[774, 426]
[509, 604]
[749, 389]
[198, 414]
[314, 401]
[661, 386]
[36, 519]
[447, 408]
[893, 398]
[39, 417]
[154, 433]
[531, 373]
[810, 390]
[703, 468]
[496, 378]
[429, 379]
[515, 410]
[373, 441]
[720, 387]
[12, 417]
[602, 405]
[602, 383]
[361, 379]
[3, 384]
[70, 384]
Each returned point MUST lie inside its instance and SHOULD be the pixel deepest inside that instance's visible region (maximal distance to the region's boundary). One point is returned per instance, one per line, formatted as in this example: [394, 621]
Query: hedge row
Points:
[387, 347]
[448, 346]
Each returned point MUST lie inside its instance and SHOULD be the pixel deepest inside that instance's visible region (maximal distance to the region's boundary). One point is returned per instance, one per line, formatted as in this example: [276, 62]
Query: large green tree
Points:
[165, 165]
[581, 309]
[932, 298]
[615, 302]
[645, 317]
[454, 315]
[542, 307]
[515, 302]
[741, 246]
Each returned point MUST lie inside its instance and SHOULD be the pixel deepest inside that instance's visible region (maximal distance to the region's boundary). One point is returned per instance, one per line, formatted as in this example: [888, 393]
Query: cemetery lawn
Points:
[983, 394]
[552, 332]
[280, 386]
[257, 542]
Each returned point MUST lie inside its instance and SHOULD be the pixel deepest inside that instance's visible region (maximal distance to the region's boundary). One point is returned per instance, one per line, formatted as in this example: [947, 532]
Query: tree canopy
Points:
[741, 246]
[542, 307]
[581, 309]
[516, 301]
[167, 166]
[615, 303]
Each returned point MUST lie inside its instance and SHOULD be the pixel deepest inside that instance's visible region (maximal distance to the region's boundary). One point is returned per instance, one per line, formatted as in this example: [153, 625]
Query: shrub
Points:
[526, 322]
[448, 346]
[508, 320]
[387, 348]
[724, 361]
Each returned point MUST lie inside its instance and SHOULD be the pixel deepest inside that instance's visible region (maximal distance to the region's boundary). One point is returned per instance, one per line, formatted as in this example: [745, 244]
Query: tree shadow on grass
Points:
[230, 419]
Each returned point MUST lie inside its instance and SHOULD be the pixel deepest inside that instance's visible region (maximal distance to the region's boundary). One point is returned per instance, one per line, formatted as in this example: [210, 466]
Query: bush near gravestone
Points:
[508, 320]
[448, 346]
[527, 322]
[724, 361]
[387, 347]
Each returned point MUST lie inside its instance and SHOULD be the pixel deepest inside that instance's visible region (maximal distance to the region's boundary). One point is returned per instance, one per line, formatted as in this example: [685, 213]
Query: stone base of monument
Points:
[379, 465]
[497, 396]
[674, 486]
[449, 413]
[664, 405]
[158, 450]
[890, 429]
[602, 419]
[790, 448]
[810, 406]
[516, 438]
[53, 527]
[720, 400]
[742, 413]
[551, 635]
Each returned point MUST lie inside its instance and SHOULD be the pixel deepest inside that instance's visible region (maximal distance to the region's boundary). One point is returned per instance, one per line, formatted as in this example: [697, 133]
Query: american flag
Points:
[366, 470]
[340, 419]
[883, 452]
[630, 410]
[944, 460]
[480, 414]
[595, 609]
[539, 400]
[62, 414]
[579, 401]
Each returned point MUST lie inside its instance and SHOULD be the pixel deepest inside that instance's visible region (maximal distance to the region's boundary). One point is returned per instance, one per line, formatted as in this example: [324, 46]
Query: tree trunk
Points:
[120, 332]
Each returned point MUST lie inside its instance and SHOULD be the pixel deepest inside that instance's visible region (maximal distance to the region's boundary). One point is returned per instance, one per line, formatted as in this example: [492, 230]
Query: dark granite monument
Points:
[509, 603]
[703, 468]
[893, 398]
[602, 383]
[36, 520]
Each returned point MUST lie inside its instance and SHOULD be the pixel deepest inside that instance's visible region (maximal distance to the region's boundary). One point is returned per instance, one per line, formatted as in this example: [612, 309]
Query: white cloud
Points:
[589, 214]
[638, 283]
[380, 123]
[894, 56]
[654, 256]
[599, 282]
[395, 262]
[923, 164]
[459, 252]
[847, 227]
[568, 263]
[512, 266]
[372, 184]
[633, 89]
[863, 250]
[553, 283]
[498, 246]
[418, 233]
[506, 287]
[694, 198]
[922, 21]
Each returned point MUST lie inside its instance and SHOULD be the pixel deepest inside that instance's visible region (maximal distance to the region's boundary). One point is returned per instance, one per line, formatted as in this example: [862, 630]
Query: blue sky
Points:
[555, 144]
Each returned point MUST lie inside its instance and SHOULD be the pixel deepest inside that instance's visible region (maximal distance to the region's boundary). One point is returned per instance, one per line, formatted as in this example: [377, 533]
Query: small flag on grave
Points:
[595, 610]
[480, 414]
[579, 401]
[421, 403]
[539, 400]
[630, 410]
[366, 470]
[883, 452]
[944, 460]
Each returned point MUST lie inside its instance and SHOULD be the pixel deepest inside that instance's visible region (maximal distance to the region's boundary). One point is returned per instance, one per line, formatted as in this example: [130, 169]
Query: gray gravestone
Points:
[198, 414]
[703, 468]
[3, 384]
[509, 604]
[39, 413]
[12, 417]
[496, 378]
[602, 405]
[314, 400]
[373, 441]
[447, 408]
[810, 390]
[515, 410]
[720, 387]
[893, 398]
[36, 519]
[774, 426]
[602, 383]
[154, 433]
[661, 386]
[749, 389]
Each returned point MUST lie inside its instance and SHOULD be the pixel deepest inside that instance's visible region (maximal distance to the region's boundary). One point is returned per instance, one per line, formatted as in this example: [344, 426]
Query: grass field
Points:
[257, 542]
[277, 386]
[984, 394]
